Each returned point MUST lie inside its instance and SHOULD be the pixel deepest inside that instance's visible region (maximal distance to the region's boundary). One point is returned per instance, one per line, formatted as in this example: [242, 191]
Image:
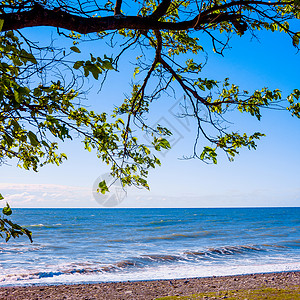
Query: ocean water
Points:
[100, 245]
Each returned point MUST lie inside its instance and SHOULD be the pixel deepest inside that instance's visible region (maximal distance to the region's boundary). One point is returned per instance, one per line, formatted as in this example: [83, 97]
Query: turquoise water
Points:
[96, 245]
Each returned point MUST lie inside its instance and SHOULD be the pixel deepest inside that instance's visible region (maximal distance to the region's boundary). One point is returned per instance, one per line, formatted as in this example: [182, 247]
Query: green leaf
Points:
[17, 96]
[136, 71]
[37, 92]
[86, 71]
[31, 58]
[75, 49]
[7, 210]
[33, 139]
[1, 197]
[146, 150]
[103, 187]
[8, 139]
[45, 144]
[296, 39]
[7, 236]
[163, 143]
[1, 24]
[78, 64]
[94, 69]
[107, 65]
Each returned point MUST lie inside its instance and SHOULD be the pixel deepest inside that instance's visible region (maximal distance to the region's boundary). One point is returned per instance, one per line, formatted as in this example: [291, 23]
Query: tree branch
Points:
[40, 16]
[161, 9]
[117, 10]
[180, 81]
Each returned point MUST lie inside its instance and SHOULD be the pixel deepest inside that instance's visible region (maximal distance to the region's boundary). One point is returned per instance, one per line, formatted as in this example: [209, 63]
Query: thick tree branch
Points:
[40, 16]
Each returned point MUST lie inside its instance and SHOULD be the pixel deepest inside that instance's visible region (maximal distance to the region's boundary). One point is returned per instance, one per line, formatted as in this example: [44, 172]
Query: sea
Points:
[119, 244]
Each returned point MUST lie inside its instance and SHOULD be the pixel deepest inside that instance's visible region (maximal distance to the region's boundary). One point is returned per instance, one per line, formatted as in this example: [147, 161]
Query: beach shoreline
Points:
[154, 289]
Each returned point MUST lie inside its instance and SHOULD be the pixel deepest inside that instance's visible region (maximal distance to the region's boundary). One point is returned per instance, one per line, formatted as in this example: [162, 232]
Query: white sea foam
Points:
[148, 273]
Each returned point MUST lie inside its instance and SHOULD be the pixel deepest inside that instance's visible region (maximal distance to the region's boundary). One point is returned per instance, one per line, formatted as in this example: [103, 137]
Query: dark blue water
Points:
[94, 245]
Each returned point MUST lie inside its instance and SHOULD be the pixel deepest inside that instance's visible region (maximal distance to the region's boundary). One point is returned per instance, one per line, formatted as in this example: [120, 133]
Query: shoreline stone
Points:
[136, 290]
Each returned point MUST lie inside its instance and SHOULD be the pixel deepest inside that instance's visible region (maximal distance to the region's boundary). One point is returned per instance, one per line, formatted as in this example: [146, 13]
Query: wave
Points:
[158, 258]
[274, 246]
[275, 235]
[20, 249]
[165, 222]
[284, 244]
[43, 225]
[138, 262]
[229, 250]
[174, 236]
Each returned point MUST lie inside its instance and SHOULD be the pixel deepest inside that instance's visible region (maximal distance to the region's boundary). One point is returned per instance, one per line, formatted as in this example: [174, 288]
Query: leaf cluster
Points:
[9, 229]
[38, 109]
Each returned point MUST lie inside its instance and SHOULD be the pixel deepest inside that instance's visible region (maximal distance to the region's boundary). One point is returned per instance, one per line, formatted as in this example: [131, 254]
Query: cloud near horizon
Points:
[46, 195]
[51, 196]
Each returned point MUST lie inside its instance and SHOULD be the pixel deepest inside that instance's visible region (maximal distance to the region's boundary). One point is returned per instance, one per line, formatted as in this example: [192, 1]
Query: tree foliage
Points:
[40, 86]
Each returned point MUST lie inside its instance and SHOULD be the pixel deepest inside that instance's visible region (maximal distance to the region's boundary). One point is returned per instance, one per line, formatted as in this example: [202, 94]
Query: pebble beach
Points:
[155, 289]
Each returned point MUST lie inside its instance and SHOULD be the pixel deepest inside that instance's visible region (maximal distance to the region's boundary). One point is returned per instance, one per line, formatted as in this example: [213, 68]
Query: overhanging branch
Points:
[40, 16]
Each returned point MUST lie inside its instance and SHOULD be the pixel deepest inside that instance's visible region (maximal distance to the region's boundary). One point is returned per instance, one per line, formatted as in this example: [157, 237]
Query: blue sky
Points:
[265, 177]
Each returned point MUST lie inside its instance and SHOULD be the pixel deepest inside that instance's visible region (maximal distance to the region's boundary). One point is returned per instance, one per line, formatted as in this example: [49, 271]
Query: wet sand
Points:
[153, 289]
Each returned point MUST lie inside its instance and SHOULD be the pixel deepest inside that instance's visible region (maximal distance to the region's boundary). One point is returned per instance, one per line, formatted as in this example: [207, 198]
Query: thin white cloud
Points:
[46, 195]
[50, 195]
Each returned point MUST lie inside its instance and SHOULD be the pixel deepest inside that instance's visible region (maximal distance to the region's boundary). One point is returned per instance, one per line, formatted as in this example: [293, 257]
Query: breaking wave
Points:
[137, 262]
